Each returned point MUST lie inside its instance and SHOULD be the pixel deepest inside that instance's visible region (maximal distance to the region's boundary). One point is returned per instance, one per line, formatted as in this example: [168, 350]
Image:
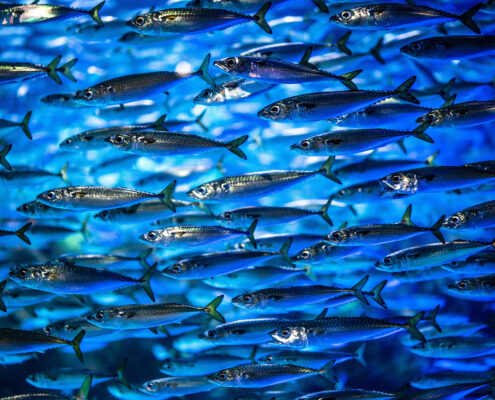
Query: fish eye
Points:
[230, 61]
[395, 178]
[306, 144]
[211, 333]
[346, 15]
[222, 376]
[139, 20]
[247, 299]
[227, 215]
[48, 329]
[275, 109]
[206, 93]
[51, 195]
[285, 333]
[176, 268]
[387, 260]
[269, 358]
[152, 235]
[416, 46]
[150, 386]
[22, 273]
[454, 263]
[88, 94]
[99, 316]
[119, 139]
[104, 214]
[68, 141]
[341, 192]
[462, 285]
[25, 207]
[455, 219]
[201, 190]
[337, 236]
[305, 254]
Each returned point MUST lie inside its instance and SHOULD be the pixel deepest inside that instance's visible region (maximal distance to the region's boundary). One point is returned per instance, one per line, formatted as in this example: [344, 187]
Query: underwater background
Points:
[351, 188]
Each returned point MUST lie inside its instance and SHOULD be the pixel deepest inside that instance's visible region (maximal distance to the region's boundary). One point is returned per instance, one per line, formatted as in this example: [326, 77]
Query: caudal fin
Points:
[21, 233]
[433, 318]
[120, 374]
[143, 256]
[411, 326]
[24, 125]
[346, 79]
[430, 161]
[406, 218]
[158, 124]
[375, 51]
[377, 294]
[403, 91]
[3, 155]
[199, 121]
[233, 146]
[359, 355]
[2, 304]
[323, 212]
[95, 13]
[467, 18]
[321, 6]
[76, 343]
[63, 173]
[326, 170]
[419, 132]
[435, 229]
[84, 228]
[250, 233]
[66, 69]
[51, 69]
[284, 250]
[146, 281]
[203, 71]
[166, 195]
[211, 309]
[259, 18]
[327, 371]
[82, 393]
[341, 43]
[357, 290]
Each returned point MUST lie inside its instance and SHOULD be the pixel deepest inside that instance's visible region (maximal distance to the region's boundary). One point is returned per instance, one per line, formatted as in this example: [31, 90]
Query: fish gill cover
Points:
[243, 199]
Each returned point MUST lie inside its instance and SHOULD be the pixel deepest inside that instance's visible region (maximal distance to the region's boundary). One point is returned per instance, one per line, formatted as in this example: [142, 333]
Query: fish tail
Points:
[327, 371]
[357, 290]
[82, 393]
[95, 13]
[24, 125]
[419, 132]
[321, 6]
[203, 207]
[430, 161]
[3, 155]
[76, 343]
[433, 318]
[346, 79]
[375, 51]
[306, 56]
[211, 309]
[259, 17]
[203, 71]
[166, 195]
[341, 43]
[411, 326]
[377, 294]
[2, 304]
[359, 355]
[435, 229]
[158, 124]
[51, 69]
[449, 100]
[403, 91]
[143, 256]
[219, 165]
[120, 374]
[467, 18]
[146, 281]
[252, 356]
[323, 212]
[66, 71]
[20, 233]
[84, 228]
[250, 233]
[326, 170]
[445, 92]
[63, 173]
[406, 218]
[233, 146]
[402, 146]
[199, 120]
[284, 250]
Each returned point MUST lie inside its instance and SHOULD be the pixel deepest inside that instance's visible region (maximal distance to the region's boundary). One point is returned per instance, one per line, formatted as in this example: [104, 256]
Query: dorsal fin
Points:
[406, 218]
[322, 314]
[305, 58]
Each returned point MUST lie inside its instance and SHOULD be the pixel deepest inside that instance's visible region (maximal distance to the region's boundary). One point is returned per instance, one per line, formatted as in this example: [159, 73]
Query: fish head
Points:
[144, 23]
[155, 237]
[39, 379]
[304, 146]
[295, 336]
[225, 377]
[414, 49]
[227, 218]
[433, 117]
[113, 318]
[206, 191]
[276, 112]
[304, 256]
[461, 286]
[248, 301]
[181, 268]
[120, 142]
[29, 275]
[358, 16]
[420, 348]
[151, 387]
[28, 209]
[54, 197]
[94, 96]
[337, 237]
[168, 367]
[387, 263]
[105, 215]
[399, 184]
[211, 96]
[268, 359]
[234, 65]
[455, 221]
[99, 318]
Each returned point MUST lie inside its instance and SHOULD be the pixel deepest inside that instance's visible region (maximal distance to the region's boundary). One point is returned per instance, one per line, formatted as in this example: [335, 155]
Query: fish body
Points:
[202, 364]
[451, 47]
[479, 288]
[312, 359]
[460, 115]
[348, 394]
[475, 217]
[359, 193]
[176, 386]
[66, 378]
[321, 252]
[36, 209]
[455, 347]
[478, 264]
[447, 378]
[429, 255]
[325, 105]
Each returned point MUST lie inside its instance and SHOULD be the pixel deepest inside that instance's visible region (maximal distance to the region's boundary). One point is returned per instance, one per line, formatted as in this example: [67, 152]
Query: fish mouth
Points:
[334, 18]
[294, 147]
[220, 65]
